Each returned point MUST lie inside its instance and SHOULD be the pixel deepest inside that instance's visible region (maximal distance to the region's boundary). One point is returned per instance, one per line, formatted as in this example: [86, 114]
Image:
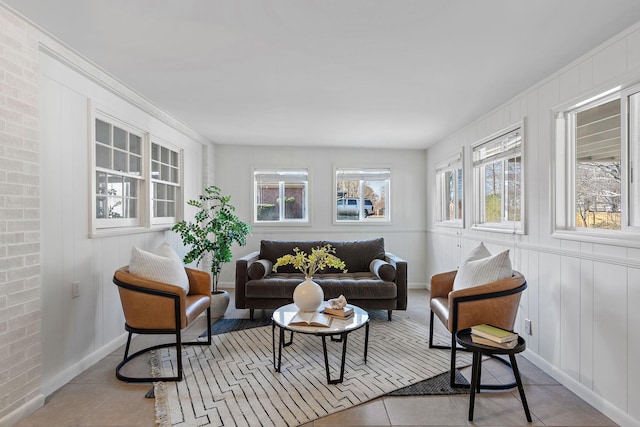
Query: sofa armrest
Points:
[242, 277]
[401, 279]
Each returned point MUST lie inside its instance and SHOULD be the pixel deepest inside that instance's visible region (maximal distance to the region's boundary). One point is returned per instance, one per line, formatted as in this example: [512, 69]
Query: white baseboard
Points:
[50, 385]
[602, 405]
[22, 412]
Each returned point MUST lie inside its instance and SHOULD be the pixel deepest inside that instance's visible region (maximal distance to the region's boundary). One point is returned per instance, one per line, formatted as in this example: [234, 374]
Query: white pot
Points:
[219, 303]
[308, 295]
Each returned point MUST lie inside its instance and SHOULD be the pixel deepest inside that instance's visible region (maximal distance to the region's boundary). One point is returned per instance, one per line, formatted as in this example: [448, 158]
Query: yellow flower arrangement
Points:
[319, 258]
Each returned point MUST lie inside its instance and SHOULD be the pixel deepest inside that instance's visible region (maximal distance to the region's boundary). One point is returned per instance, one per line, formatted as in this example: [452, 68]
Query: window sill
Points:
[497, 229]
[281, 224]
[111, 232]
[450, 224]
[613, 238]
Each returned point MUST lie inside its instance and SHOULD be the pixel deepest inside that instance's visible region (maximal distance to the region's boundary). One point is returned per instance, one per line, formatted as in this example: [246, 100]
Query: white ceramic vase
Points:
[308, 295]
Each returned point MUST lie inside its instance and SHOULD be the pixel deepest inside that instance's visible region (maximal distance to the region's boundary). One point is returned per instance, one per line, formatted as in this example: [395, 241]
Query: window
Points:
[595, 132]
[118, 175]
[450, 192]
[498, 181]
[165, 183]
[362, 195]
[280, 195]
[136, 183]
[597, 144]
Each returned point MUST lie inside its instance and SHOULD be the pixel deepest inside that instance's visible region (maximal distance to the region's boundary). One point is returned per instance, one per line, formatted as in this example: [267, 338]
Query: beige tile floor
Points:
[96, 398]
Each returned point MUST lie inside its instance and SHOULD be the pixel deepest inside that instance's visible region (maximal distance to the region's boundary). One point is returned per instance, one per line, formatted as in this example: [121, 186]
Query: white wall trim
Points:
[590, 256]
[14, 417]
[76, 369]
[582, 392]
[65, 55]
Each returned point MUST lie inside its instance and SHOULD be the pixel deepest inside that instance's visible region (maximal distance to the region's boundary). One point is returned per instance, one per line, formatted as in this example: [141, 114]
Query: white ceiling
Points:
[357, 73]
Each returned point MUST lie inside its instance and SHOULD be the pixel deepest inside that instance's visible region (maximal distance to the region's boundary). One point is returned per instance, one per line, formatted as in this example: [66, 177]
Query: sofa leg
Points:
[251, 310]
[389, 314]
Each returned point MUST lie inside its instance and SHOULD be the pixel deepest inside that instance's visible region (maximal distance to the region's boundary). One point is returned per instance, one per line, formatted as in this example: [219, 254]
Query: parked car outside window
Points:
[351, 206]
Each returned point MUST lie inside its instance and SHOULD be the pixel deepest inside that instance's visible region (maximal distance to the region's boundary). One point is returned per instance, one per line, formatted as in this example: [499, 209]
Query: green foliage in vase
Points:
[213, 231]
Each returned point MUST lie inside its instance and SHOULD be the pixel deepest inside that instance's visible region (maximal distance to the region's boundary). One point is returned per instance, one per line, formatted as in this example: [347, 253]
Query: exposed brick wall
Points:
[20, 377]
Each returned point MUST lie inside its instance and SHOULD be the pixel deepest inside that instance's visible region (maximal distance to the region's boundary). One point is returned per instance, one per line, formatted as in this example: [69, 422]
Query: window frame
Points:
[282, 221]
[564, 225]
[362, 218]
[505, 226]
[107, 224]
[452, 163]
[179, 186]
[104, 227]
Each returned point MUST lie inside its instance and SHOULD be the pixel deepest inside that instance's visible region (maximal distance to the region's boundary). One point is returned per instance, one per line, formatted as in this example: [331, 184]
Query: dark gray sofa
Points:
[375, 279]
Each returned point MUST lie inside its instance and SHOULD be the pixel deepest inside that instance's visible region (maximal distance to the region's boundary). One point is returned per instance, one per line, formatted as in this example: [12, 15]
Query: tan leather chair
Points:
[152, 307]
[494, 303]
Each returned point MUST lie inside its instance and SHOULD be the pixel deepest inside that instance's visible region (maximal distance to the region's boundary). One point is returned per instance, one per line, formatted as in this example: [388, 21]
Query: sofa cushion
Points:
[259, 269]
[482, 271]
[383, 270]
[354, 286]
[357, 254]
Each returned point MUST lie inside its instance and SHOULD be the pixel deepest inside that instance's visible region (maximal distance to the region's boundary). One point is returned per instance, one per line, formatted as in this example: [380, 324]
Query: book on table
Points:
[310, 318]
[343, 312]
[493, 333]
[490, 343]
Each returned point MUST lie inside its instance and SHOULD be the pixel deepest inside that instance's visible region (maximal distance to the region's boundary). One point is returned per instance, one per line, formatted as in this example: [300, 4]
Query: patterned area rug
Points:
[437, 385]
[222, 326]
[233, 383]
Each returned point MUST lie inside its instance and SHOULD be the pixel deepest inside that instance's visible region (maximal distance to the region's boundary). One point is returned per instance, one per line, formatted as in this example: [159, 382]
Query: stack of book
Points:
[341, 313]
[494, 337]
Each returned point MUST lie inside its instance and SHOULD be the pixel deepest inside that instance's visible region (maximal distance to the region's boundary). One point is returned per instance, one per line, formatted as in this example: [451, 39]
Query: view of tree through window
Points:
[450, 191]
[497, 165]
[598, 168]
[453, 183]
[362, 194]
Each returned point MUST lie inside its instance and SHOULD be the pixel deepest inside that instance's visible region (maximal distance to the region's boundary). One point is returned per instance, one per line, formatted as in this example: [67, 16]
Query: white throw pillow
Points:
[165, 269]
[166, 250]
[477, 253]
[485, 270]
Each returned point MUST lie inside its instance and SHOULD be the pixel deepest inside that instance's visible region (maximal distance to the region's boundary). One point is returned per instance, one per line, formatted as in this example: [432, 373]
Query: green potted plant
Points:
[211, 235]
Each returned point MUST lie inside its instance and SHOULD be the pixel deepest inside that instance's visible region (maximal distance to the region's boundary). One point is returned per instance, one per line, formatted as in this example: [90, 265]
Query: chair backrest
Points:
[498, 306]
[148, 304]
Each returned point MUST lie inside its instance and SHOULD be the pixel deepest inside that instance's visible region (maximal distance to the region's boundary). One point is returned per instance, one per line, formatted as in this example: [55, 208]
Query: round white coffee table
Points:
[338, 330]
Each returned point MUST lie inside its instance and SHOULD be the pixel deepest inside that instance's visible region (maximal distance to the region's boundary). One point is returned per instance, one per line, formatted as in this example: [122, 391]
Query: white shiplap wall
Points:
[404, 236]
[48, 337]
[79, 331]
[583, 297]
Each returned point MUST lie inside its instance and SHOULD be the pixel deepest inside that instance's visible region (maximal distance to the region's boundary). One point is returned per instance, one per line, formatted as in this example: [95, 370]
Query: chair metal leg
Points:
[178, 344]
[453, 347]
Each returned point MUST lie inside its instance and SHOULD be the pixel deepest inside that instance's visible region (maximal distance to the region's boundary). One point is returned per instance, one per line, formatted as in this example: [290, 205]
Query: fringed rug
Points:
[233, 382]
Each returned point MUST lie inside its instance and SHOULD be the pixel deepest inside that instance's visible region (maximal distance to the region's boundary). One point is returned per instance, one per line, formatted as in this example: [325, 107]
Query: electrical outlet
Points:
[75, 289]
[527, 327]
